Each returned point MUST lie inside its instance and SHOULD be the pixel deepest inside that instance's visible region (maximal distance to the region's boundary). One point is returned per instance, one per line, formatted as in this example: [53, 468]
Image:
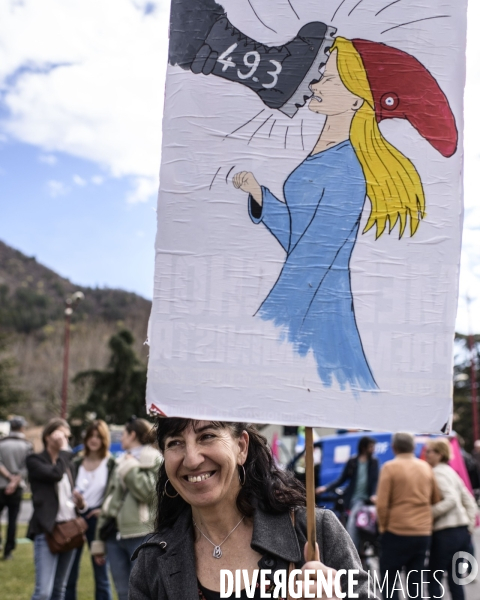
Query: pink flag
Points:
[275, 452]
[458, 464]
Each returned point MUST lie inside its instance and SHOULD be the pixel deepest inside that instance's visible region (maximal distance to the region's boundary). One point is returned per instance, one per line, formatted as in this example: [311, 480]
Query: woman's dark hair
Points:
[364, 443]
[52, 426]
[143, 430]
[266, 486]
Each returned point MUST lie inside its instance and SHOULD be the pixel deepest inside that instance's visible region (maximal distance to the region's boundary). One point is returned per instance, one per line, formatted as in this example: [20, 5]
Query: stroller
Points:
[366, 522]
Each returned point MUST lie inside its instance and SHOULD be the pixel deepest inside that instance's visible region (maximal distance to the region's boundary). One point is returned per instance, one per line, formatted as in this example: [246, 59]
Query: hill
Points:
[32, 299]
[31, 295]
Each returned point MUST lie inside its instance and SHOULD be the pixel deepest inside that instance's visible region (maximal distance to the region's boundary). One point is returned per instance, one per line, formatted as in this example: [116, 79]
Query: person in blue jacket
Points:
[317, 225]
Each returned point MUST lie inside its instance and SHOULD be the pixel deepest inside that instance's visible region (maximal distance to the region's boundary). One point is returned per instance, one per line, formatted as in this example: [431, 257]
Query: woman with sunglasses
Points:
[125, 516]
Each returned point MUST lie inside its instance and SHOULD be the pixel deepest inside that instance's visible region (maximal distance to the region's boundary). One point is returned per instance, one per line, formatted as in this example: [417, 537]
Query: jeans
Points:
[12, 502]
[119, 553]
[352, 525]
[445, 543]
[408, 551]
[100, 573]
[51, 570]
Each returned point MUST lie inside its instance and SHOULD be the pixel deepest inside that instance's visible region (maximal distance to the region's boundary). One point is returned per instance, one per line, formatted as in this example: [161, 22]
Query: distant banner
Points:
[310, 210]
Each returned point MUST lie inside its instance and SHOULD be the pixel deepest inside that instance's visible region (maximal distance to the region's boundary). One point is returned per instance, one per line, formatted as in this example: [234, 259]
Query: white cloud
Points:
[144, 189]
[48, 159]
[88, 82]
[80, 181]
[97, 180]
[57, 188]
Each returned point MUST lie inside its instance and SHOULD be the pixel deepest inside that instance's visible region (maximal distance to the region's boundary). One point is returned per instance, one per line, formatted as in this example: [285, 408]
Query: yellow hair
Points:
[393, 184]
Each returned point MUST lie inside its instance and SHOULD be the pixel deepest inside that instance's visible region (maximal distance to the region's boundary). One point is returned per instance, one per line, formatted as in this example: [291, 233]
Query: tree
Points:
[462, 391]
[117, 392]
[10, 394]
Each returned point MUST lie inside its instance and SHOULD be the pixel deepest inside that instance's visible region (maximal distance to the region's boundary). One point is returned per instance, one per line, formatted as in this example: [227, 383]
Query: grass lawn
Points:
[17, 576]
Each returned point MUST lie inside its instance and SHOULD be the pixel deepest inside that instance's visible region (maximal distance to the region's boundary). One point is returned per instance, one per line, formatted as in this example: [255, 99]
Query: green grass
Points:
[17, 576]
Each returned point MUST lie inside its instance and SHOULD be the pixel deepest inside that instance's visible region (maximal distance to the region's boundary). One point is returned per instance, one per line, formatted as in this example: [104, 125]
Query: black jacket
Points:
[165, 567]
[350, 474]
[44, 477]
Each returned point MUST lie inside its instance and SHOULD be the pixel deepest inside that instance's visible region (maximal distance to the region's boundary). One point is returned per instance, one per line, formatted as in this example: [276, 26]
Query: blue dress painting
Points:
[317, 226]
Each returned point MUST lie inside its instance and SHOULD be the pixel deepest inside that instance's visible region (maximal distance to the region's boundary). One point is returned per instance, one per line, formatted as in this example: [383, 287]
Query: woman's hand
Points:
[246, 182]
[78, 500]
[100, 559]
[316, 565]
[59, 439]
[93, 513]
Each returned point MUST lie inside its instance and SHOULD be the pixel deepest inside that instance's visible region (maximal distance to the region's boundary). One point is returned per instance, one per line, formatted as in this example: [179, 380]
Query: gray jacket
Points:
[14, 450]
[165, 567]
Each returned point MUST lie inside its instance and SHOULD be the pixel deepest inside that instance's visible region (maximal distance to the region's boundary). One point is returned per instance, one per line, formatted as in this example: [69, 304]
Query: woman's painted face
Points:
[202, 463]
[330, 96]
[94, 442]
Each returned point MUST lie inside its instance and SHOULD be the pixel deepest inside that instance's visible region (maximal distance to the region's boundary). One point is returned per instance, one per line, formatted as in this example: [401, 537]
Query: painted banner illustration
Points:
[309, 216]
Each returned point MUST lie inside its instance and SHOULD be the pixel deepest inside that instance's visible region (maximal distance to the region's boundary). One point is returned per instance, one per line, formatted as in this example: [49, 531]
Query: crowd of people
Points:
[159, 527]
[425, 512]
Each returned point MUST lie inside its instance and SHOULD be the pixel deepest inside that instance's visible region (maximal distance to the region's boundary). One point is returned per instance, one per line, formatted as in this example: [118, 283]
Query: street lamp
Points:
[70, 304]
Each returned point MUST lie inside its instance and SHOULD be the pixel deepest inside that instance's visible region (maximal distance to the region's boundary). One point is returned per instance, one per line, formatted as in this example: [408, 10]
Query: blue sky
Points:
[73, 217]
[81, 100]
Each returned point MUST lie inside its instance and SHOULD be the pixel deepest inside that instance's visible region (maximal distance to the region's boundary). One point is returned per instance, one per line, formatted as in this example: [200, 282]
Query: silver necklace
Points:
[217, 551]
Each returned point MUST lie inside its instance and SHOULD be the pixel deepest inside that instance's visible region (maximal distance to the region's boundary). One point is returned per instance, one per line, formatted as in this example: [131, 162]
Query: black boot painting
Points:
[203, 40]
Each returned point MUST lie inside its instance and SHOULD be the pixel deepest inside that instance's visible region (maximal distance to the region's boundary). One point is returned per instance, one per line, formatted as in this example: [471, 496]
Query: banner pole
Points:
[310, 485]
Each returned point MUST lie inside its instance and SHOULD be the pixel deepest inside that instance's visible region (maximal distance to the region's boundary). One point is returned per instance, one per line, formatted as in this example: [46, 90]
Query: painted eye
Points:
[390, 101]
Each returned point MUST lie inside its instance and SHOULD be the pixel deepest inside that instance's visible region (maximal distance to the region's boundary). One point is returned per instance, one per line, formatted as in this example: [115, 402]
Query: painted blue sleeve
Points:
[334, 225]
[274, 215]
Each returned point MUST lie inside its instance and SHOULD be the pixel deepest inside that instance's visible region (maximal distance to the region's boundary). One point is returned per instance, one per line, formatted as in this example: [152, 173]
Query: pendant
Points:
[217, 552]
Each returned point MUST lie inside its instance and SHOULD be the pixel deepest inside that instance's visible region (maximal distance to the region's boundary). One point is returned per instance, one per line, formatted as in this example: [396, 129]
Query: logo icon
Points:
[464, 568]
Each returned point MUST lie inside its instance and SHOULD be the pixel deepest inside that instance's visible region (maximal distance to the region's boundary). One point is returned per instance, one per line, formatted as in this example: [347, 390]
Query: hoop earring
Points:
[242, 483]
[165, 490]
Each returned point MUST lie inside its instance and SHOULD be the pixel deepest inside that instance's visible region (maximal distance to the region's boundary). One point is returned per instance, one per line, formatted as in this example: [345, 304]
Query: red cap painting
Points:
[402, 88]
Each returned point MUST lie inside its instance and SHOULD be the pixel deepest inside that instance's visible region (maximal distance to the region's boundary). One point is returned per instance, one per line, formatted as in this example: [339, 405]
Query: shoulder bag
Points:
[68, 535]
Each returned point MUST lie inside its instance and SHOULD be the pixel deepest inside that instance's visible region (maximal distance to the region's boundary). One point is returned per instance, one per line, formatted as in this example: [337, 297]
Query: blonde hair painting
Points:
[393, 184]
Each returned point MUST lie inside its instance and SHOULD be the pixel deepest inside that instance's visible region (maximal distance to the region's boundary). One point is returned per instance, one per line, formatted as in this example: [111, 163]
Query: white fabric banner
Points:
[309, 216]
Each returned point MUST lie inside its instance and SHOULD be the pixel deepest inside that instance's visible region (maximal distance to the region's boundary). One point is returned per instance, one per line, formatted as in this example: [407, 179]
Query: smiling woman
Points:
[224, 505]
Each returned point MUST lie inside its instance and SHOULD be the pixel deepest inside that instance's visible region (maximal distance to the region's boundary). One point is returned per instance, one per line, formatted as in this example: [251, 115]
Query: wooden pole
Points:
[310, 485]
